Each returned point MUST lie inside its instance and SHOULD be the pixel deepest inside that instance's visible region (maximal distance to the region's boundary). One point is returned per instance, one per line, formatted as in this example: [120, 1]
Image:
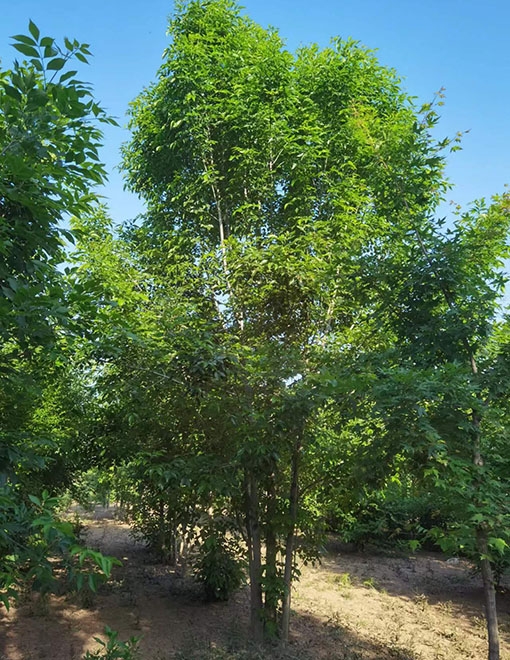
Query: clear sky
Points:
[462, 45]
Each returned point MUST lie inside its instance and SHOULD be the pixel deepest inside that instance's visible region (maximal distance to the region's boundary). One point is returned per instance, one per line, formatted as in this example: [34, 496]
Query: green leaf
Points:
[499, 544]
[68, 235]
[56, 64]
[37, 98]
[414, 545]
[81, 57]
[105, 565]
[30, 51]
[24, 39]
[50, 51]
[12, 92]
[37, 64]
[92, 582]
[34, 30]
[66, 76]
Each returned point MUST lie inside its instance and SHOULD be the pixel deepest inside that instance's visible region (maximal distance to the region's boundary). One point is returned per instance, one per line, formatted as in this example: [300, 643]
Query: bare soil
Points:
[353, 606]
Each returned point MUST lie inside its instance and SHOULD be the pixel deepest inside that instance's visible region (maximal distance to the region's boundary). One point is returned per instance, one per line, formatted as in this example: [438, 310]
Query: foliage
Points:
[30, 539]
[390, 518]
[218, 565]
[49, 161]
[91, 487]
[49, 149]
[113, 648]
[439, 382]
[49, 141]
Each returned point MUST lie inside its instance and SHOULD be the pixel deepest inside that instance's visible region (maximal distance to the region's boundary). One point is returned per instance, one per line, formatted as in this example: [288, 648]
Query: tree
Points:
[49, 143]
[449, 372]
[265, 202]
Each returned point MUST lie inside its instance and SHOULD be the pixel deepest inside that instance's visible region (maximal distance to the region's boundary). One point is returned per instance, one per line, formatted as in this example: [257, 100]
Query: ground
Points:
[353, 606]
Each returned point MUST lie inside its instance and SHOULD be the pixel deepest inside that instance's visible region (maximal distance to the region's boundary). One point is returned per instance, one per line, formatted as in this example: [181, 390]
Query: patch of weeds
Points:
[85, 598]
[212, 652]
[371, 583]
[235, 638]
[218, 654]
[481, 625]
[448, 634]
[399, 642]
[113, 648]
[404, 654]
[78, 525]
[343, 580]
[349, 654]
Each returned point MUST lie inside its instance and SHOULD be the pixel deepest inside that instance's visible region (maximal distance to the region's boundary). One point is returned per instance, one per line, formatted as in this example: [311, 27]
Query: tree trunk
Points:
[489, 590]
[255, 559]
[490, 596]
[289, 544]
[271, 595]
[171, 539]
[161, 529]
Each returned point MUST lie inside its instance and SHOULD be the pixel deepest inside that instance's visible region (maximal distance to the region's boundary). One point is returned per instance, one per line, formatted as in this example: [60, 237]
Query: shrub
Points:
[388, 518]
[217, 565]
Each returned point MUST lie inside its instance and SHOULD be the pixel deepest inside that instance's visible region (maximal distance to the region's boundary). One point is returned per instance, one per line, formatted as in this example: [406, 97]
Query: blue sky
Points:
[462, 45]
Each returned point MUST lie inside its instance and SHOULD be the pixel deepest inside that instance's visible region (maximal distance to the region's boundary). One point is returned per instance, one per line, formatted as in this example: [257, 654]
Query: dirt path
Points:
[351, 607]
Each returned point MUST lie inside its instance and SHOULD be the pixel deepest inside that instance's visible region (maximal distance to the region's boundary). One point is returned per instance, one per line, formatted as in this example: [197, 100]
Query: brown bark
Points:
[490, 596]
[491, 614]
[171, 540]
[271, 596]
[289, 544]
[255, 559]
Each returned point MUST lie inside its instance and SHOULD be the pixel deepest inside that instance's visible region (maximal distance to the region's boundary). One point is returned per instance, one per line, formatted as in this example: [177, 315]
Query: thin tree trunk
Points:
[271, 596]
[224, 233]
[491, 614]
[171, 539]
[490, 596]
[161, 531]
[289, 544]
[255, 559]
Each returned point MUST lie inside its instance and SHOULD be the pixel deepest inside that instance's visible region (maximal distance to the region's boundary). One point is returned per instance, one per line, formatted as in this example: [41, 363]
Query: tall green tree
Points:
[445, 381]
[49, 141]
[265, 201]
